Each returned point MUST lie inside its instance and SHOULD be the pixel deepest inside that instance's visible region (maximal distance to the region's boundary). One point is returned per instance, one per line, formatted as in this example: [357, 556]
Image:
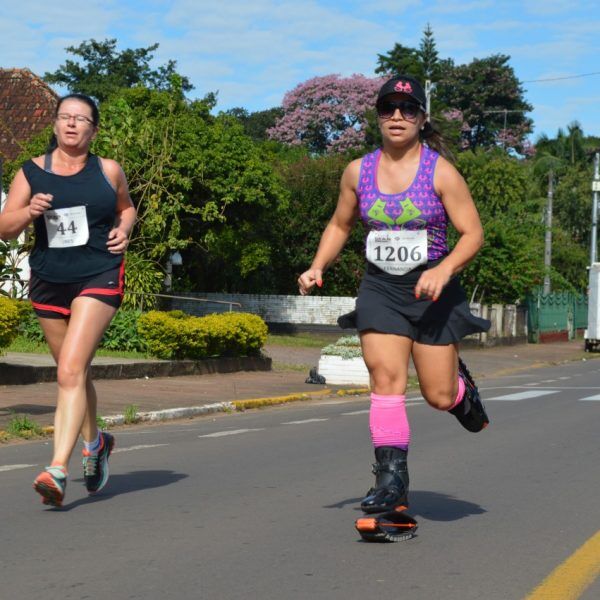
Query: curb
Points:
[17, 374]
[170, 414]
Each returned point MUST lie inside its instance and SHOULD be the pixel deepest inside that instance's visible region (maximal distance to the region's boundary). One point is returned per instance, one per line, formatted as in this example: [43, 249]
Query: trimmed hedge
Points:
[9, 321]
[176, 335]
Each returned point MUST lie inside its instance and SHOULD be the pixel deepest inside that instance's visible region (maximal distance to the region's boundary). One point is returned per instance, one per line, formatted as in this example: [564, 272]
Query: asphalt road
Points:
[262, 504]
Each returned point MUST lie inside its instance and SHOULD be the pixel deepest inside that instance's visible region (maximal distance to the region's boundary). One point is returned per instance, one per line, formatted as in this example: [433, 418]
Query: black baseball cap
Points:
[404, 84]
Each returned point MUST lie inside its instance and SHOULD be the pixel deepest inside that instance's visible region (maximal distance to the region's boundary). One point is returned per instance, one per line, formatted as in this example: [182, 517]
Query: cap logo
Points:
[403, 87]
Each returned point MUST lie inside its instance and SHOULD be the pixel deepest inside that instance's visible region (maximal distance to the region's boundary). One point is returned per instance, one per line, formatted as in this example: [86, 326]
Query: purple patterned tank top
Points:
[417, 207]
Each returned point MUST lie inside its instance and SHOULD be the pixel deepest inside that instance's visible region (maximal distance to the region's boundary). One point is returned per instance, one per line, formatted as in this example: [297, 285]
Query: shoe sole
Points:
[51, 495]
[391, 527]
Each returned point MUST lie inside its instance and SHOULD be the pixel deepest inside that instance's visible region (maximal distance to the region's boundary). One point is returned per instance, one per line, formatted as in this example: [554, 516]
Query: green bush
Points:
[180, 336]
[9, 321]
[29, 326]
[122, 333]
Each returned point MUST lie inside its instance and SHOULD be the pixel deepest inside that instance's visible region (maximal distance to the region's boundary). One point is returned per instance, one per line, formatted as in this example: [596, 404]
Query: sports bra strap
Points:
[48, 162]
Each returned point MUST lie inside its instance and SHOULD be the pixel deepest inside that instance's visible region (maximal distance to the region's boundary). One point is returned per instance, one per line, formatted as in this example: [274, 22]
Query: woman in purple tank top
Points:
[410, 301]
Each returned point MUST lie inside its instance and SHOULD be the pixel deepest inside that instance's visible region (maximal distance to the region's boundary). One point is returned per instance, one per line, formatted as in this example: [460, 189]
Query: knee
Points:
[440, 398]
[387, 382]
[71, 375]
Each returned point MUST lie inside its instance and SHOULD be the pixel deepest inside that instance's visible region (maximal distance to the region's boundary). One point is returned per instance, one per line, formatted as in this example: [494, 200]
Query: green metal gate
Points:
[555, 316]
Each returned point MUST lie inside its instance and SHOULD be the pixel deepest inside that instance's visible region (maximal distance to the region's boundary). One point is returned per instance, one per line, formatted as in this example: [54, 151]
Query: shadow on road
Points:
[433, 506]
[124, 483]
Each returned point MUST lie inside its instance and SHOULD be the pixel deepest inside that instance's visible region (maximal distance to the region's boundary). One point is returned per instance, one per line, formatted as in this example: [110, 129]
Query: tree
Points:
[400, 59]
[102, 70]
[327, 114]
[511, 262]
[428, 55]
[313, 184]
[491, 101]
[256, 124]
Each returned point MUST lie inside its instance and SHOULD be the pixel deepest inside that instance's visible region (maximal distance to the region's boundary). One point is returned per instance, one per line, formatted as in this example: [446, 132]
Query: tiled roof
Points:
[27, 106]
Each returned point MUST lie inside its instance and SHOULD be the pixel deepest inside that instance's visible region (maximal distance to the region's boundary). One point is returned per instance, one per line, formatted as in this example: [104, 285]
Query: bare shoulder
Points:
[111, 167]
[446, 176]
[351, 174]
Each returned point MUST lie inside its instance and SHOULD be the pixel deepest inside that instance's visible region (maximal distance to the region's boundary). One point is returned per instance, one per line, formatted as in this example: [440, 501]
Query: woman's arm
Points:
[21, 208]
[118, 238]
[459, 205]
[337, 232]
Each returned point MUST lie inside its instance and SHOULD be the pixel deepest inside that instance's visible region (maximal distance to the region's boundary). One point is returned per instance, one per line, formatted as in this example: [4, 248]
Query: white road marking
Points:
[140, 447]
[230, 432]
[304, 421]
[356, 412]
[4, 468]
[565, 377]
[548, 380]
[522, 395]
[595, 398]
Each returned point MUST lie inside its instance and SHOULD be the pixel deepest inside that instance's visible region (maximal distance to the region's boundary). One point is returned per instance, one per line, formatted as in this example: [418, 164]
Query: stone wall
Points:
[509, 322]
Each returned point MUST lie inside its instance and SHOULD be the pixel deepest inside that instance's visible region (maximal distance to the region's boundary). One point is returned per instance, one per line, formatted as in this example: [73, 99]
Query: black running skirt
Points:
[387, 303]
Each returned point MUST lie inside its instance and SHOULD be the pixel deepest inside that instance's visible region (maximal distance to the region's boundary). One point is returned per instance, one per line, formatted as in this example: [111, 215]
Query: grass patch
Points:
[24, 427]
[22, 344]
[283, 366]
[26, 346]
[101, 423]
[130, 414]
[302, 340]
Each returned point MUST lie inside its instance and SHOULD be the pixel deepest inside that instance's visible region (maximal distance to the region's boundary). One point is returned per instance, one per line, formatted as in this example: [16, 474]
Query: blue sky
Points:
[253, 51]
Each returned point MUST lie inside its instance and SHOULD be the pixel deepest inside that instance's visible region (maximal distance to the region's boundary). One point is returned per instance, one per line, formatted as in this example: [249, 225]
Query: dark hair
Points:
[435, 140]
[52, 144]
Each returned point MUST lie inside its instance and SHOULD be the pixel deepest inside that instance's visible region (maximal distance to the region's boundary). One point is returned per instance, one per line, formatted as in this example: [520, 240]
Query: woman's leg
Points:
[88, 322]
[437, 370]
[446, 384]
[386, 357]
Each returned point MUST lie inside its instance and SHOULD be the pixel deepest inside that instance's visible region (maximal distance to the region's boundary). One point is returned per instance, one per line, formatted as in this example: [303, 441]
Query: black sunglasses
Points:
[408, 110]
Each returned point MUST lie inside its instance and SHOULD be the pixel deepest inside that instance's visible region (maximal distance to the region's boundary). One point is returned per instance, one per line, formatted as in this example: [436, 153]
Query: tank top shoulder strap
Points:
[427, 164]
[368, 164]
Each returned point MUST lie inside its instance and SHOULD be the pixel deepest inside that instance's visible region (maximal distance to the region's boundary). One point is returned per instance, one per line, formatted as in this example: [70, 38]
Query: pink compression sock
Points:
[388, 421]
[461, 393]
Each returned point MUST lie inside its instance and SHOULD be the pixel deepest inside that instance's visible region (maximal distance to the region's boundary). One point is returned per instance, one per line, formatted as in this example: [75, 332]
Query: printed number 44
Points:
[63, 230]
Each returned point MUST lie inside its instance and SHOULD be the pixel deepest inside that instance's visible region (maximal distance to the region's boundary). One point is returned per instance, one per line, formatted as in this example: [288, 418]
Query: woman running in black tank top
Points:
[80, 207]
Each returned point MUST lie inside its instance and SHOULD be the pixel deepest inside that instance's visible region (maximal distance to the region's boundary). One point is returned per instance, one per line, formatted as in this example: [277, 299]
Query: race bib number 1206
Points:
[67, 227]
[397, 252]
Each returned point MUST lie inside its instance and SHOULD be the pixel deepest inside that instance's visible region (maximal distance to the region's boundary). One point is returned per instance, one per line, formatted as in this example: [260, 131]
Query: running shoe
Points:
[470, 412]
[51, 485]
[95, 465]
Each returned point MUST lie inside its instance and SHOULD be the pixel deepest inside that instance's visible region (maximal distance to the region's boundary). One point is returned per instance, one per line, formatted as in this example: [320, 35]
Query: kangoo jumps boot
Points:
[391, 482]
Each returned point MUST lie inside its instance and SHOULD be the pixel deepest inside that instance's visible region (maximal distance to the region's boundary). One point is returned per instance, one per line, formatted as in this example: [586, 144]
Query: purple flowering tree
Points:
[328, 113]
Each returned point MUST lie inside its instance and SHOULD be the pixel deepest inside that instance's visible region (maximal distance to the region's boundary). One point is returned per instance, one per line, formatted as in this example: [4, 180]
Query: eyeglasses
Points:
[65, 117]
[408, 110]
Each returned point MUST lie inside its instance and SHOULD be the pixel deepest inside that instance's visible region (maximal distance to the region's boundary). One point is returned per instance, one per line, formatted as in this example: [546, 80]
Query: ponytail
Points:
[435, 140]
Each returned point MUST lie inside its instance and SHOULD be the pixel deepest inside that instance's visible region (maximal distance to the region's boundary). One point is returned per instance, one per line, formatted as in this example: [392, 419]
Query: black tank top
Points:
[88, 188]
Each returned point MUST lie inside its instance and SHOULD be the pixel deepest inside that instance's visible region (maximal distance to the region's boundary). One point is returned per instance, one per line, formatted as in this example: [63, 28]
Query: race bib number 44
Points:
[397, 252]
[67, 227]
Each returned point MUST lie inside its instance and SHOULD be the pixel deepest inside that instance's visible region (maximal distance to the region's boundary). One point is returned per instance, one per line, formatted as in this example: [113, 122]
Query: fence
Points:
[558, 316]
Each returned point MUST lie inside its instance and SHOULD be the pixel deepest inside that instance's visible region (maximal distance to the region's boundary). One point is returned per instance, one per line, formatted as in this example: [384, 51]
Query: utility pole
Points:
[595, 189]
[428, 88]
[548, 236]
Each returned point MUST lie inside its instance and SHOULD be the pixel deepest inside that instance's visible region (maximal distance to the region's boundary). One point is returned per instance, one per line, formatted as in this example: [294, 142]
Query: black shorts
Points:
[387, 303]
[53, 300]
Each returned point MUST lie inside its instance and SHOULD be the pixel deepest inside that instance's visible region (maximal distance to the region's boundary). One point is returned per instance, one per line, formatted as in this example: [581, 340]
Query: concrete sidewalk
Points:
[290, 369]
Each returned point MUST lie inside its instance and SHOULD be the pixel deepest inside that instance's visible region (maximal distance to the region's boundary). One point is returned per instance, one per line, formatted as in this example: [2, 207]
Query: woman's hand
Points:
[432, 282]
[117, 241]
[39, 204]
[307, 280]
